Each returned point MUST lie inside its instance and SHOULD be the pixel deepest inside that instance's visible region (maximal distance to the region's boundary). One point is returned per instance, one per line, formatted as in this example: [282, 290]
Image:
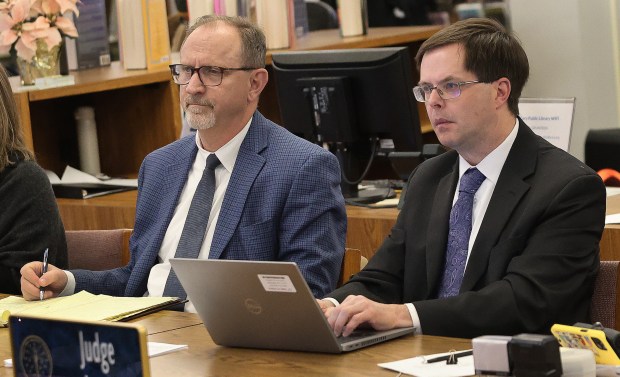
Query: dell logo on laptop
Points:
[253, 306]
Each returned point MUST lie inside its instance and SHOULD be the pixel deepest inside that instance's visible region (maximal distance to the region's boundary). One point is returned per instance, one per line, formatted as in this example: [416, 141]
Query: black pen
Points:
[44, 270]
[455, 355]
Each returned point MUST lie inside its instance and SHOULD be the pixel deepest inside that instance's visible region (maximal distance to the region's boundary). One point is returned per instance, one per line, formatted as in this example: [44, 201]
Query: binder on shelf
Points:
[276, 18]
[143, 33]
[76, 184]
[85, 190]
[91, 49]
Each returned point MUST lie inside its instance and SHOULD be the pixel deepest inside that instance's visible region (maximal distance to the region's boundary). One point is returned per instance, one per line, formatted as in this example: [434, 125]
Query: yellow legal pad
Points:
[84, 306]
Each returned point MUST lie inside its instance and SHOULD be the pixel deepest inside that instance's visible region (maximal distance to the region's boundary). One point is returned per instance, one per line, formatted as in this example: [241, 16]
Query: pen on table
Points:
[44, 270]
[454, 355]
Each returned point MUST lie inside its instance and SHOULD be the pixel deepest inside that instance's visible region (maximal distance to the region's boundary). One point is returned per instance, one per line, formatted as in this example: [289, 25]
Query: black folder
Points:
[86, 190]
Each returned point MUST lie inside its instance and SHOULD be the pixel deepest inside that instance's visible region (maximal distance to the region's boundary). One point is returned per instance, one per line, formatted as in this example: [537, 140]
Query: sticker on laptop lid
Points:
[277, 283]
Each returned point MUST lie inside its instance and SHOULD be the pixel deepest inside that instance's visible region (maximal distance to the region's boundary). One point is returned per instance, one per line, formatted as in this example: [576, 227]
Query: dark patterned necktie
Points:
[195, 225]
[460, 230]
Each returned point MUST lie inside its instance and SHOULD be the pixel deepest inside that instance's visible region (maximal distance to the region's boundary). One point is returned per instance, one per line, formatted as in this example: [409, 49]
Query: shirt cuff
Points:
[332, 300]
[70, 287]
[415, 319]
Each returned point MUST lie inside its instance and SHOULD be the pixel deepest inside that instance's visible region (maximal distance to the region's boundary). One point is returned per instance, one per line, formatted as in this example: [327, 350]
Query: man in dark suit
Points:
[530, 255]
[277, 197]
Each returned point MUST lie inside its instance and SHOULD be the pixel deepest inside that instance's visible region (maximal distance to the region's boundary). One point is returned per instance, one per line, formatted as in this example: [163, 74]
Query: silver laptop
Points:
[264, 305]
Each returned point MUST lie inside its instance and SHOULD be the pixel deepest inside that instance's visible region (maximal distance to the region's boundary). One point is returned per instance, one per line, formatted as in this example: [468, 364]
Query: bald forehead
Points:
[219, 41]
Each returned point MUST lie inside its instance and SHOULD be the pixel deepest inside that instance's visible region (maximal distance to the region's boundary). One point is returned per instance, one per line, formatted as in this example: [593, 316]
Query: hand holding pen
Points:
[43, 271]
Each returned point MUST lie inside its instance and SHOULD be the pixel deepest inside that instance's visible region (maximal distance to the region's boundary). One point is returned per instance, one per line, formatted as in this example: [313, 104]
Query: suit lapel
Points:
[510, 188]
[438, 228]
[248, 165]
[174, 177]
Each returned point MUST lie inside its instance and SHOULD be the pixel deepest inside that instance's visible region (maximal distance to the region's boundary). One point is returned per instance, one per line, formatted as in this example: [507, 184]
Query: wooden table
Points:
[204, 358]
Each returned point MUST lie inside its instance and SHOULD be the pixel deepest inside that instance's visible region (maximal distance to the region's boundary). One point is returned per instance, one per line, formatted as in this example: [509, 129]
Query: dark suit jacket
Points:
[283, 203]
[533, 262]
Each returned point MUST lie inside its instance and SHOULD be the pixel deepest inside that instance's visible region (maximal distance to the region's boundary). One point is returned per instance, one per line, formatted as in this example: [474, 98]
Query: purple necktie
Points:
[460, 230]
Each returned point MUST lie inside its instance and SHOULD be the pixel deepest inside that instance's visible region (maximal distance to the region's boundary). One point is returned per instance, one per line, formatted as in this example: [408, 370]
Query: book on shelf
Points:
[85, 306]
[157, 38]
[76, 184]
[300, 17]
[199, 8]
[244, 8]
[276, 18]
[91, 48]
[132, 49]
[143, 33]
[353, 17]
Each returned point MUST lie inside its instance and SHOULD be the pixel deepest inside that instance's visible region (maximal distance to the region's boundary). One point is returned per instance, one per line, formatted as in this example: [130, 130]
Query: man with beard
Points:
[276, 197]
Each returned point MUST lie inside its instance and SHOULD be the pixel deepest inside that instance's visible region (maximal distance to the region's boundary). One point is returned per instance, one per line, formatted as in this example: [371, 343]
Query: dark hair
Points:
[490, 53]
[12, 145]
[253, 45]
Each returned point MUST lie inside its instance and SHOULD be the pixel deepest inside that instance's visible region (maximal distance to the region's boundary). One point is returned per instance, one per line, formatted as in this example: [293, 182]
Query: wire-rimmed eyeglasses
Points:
[447, 90]
[208, 75]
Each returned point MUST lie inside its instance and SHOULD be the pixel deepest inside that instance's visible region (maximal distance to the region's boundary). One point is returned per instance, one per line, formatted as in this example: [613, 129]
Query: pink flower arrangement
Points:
[24, 23]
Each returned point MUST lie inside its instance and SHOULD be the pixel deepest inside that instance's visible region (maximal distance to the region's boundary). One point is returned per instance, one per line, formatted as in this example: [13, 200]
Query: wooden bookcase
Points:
[136, 112]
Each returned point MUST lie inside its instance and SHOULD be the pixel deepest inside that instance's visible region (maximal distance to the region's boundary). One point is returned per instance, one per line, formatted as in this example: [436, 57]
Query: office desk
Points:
[204, 358]
[610, 240]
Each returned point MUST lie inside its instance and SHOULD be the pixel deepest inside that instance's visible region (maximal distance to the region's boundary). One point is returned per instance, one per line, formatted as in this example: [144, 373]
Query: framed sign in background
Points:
[551, 118]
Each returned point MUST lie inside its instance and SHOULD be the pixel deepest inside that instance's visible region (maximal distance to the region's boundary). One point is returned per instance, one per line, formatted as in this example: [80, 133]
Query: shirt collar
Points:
[227, 154]
[491, 166]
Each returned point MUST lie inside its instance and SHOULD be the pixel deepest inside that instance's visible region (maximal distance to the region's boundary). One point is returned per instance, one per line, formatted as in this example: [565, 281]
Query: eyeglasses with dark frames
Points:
[208, 75]
[447, 90]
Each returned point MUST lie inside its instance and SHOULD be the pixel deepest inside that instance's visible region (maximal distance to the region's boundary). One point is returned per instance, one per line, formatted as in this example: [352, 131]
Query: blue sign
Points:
[47, 347]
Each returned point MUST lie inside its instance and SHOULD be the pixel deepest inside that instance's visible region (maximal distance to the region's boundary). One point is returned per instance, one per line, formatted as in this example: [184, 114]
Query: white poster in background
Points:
[551, 118]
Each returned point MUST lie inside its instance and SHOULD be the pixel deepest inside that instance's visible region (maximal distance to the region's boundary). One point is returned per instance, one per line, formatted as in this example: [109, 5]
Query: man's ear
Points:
[258, 80]
[503, 91]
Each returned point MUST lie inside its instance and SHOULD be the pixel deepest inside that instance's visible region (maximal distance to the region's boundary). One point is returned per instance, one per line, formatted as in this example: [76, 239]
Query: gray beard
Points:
[199, 121]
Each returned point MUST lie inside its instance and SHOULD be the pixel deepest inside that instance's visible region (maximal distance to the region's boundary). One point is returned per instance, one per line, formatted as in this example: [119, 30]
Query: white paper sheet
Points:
[416, 366]
[73, 175]
[157, 349]
[612, 219]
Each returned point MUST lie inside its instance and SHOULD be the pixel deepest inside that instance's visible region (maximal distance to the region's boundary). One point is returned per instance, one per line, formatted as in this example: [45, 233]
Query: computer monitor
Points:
[358, 103]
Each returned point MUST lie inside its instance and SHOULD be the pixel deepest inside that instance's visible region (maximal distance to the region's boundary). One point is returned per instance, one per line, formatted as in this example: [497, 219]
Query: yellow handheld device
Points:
[592, 339]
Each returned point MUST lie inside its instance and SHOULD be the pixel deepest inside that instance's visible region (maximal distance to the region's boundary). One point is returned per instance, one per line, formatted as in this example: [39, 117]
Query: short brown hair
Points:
[490, 53]
[12, 145]
[254, 47]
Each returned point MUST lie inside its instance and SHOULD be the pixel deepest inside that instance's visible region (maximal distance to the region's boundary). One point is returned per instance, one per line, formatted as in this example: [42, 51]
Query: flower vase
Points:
[45, 63]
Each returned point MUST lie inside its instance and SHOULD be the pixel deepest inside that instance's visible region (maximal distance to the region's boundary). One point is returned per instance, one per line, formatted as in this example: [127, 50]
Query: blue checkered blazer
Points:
[283, 203]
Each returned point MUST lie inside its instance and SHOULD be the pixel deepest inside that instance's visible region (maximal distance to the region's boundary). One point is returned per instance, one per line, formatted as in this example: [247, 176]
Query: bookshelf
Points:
[136, 112]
